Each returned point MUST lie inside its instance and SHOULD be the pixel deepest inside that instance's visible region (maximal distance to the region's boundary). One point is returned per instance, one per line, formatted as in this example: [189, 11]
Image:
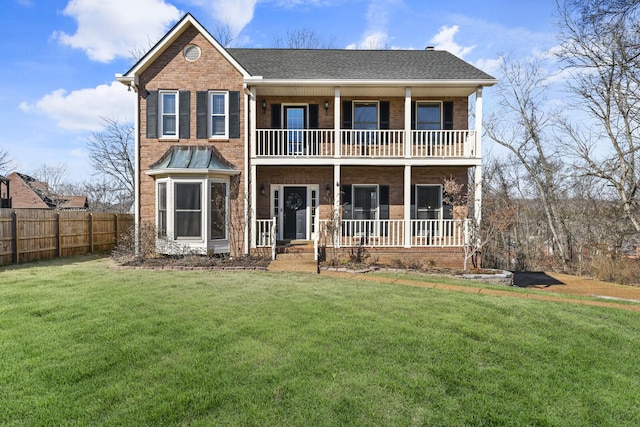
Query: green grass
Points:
[82, 344]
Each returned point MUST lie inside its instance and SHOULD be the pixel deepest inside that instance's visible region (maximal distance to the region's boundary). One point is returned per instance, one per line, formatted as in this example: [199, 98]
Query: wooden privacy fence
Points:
[34, 234]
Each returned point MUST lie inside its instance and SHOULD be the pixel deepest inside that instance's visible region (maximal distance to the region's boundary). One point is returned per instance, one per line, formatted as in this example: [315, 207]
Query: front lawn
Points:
[83, 344]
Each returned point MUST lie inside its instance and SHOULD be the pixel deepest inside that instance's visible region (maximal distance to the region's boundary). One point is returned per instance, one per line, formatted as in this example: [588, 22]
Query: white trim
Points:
[161, 114]
[429, 101]
[171, 37]
[210, 115]
[280, 214]
[260, 81]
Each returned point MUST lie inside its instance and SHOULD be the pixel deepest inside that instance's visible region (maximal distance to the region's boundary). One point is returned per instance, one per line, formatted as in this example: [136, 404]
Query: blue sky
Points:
[60, 56]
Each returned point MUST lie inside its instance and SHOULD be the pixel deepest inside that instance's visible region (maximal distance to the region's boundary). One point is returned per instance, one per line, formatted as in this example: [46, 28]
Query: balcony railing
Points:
[321, 143]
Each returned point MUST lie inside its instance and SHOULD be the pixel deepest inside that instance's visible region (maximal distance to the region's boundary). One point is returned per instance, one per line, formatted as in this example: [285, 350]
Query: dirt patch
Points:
[574, 285]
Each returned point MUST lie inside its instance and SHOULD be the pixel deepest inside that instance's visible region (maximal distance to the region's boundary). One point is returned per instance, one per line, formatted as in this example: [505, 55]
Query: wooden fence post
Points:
[58, 235]
[16, 250]
[115, 242]
[90, 233]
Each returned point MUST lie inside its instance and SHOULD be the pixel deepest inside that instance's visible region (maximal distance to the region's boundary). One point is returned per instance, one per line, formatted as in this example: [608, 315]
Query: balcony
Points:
[372, 144]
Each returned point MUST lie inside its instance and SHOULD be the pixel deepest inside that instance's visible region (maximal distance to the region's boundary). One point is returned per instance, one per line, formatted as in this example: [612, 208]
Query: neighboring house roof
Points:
[192, 158]
[335, 64]
[28, 192]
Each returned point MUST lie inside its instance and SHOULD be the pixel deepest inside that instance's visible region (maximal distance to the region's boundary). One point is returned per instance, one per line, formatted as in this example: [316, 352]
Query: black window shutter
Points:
[413, 201]
[202, 111]
[185, 113]
[346, 201]
[152, 114]
[234, 114]
[384, 115]
[314, 118]
[447, 115]
[413, 115]
[384, 202]
[347, 115]
[276, 112]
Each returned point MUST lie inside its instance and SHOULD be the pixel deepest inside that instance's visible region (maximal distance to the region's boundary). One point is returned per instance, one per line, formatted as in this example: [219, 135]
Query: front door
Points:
[295, 213]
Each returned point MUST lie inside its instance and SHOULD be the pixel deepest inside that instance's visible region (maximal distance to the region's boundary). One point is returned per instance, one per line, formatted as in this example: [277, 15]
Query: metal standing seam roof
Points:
[193, 158]
[343, 64]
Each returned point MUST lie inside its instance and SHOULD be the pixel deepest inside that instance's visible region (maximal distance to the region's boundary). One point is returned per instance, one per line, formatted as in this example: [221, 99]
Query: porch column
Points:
[337, 211]
[337, 144]
[407, 123]
[477, 195]
[254, 197]
[252, 123]
[407, 206]
[478, 125]
[251, 191]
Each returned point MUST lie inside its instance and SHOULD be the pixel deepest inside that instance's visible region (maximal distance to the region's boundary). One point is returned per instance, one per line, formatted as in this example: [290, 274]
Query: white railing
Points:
[266, 234]
[372, 143]
[295, 143]
[317, 143]
[390, 233]
[443, 143]
[438, 232]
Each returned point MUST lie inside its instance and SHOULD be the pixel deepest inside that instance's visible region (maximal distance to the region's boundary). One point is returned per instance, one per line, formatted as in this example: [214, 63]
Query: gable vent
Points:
[192, 52]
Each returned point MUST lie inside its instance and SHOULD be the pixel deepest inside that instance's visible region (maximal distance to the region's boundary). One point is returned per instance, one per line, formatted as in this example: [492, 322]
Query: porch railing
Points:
[391, 233]
[321, 143]
[266, 234]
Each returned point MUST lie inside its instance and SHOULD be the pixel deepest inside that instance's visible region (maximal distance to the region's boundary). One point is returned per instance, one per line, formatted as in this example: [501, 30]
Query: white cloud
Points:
[111, 29]
[82, 110]
[490, 66]
[376, 35]
[235, 13]
[444, 41]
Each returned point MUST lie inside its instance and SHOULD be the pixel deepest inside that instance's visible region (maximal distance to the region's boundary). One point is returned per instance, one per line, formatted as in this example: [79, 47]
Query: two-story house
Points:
[242, 148]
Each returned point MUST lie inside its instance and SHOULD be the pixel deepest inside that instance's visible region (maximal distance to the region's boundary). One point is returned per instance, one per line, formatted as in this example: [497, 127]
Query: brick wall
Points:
[172, 71]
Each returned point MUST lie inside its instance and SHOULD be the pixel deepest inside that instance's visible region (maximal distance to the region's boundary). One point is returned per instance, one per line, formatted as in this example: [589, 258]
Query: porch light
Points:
[264, 106]
[326, 107]
[327, 190]
[262, 190]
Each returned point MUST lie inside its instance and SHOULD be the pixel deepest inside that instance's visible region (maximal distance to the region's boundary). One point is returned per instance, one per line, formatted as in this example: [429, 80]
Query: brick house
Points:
[242, 148]
[26, 192]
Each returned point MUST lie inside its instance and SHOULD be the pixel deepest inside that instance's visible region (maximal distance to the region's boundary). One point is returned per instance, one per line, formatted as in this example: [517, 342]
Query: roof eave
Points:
[260, 81]
[189, 171]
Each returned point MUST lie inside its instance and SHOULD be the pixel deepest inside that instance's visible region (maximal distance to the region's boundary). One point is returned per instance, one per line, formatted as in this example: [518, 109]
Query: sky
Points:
[61, 56]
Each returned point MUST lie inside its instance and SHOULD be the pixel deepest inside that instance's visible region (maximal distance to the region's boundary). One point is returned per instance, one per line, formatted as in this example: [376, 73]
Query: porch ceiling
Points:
[365, 91]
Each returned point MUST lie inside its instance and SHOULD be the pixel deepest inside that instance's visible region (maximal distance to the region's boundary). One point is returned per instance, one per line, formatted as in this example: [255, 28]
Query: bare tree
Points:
[303, 38]
[5, 160]
[224, 34]
[601, 49]
[522, 127]
[111, 155]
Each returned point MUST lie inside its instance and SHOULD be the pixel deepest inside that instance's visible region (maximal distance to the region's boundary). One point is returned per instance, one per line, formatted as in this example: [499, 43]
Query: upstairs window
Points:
[365, 115]
[219, 107]
[169, 114]
[428, 116]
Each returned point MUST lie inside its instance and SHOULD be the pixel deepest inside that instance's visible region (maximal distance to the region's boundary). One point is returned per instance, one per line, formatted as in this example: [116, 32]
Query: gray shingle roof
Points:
[333, 64]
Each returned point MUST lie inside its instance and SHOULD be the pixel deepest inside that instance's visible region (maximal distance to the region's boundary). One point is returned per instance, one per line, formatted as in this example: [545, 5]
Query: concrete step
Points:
[296, 256]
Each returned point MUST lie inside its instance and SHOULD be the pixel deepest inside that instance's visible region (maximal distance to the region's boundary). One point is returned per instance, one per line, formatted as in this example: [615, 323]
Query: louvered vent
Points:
[192, 52]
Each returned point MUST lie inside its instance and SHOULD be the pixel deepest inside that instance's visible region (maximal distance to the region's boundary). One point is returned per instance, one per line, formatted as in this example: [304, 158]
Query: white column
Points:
[407, 123]
[336, 123]
[478, 125]
[337, 208]
[254, 173]
[407, 206]
[252, 123]
[249, 135]
[477, 205]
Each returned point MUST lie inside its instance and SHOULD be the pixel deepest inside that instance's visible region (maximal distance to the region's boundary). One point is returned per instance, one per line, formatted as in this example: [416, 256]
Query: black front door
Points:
[295, 213]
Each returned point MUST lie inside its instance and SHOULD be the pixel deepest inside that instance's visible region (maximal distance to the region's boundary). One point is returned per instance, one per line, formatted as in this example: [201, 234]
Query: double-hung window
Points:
[365, 120]
[219, 210]
[188, 209]
[162, 209]
[169, 114]
[219, 114]
[428, 116]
